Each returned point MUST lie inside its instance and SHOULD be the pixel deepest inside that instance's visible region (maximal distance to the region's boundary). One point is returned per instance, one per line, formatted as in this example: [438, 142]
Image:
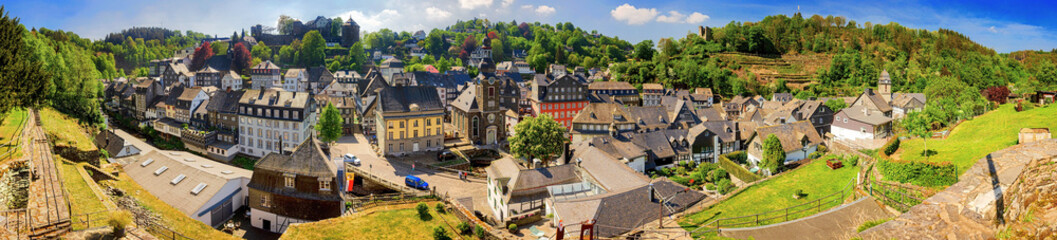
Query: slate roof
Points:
[320, 75]
[610, 85]
[305, 160]
[857, 113]
[220, 63]
[726, 130]
[650, 117]
[714, 113]
[266, 65]
[401, 98]
[609, 172]
[618, 148]
[467, 100]
[109, 141]
[652, 86]
[791, 133]
[880, 102]
[225, 101]
[617, 212]
[275, 98]
[374, 82]
[603, 113]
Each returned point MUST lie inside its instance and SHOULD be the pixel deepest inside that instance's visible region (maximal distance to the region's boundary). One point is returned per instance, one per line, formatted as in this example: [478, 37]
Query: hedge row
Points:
[919, 173]
[736, 170]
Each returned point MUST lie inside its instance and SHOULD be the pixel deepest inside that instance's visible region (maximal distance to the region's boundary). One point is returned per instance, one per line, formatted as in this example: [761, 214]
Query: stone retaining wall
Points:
[973, 207]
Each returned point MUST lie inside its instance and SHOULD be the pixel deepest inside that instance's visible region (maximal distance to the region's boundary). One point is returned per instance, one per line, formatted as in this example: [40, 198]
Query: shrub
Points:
[870, 224]
[440, 234]
[512, 227]
[736, 170]
[440, 208]
[851, 161]
[479, 231]
[725, 186]
[719, 174]
[464, 228]
[815, 155]
[919, 173]
[118, 220]
[423, 211]
[710, 186]
[739, 157]
[891, 147]
[822, 148]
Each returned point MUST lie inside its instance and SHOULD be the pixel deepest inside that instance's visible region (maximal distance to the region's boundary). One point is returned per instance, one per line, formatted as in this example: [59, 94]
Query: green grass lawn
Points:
[975, 138]
[10, 129]
[82, 199]
[401, 223]
[815, 179]
[66, 130]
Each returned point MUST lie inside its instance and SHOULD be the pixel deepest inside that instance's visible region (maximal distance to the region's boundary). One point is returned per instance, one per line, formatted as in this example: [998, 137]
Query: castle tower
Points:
[350, 33]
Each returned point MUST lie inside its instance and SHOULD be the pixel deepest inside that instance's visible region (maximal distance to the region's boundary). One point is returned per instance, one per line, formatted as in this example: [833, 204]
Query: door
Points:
[414, 147]
[491, 135]
[267, 225]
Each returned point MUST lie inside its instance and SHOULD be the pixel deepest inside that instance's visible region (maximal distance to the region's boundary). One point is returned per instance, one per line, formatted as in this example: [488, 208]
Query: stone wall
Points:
[973, 207]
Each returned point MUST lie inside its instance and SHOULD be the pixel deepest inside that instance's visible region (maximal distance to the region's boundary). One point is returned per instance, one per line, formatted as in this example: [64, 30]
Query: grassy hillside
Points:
[815, 179]
[974, 139]
[392, 222]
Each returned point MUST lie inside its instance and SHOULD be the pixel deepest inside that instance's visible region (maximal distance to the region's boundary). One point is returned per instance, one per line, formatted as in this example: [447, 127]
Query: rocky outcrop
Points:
[974, 207]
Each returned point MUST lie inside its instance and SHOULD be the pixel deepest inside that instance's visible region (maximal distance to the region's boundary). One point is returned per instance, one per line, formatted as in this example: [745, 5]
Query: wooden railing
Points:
[898, 196]
[89, 220]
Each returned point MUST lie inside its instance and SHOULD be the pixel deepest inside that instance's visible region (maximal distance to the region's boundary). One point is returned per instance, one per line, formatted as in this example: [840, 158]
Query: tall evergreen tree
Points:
[22, 82]
[773, 154]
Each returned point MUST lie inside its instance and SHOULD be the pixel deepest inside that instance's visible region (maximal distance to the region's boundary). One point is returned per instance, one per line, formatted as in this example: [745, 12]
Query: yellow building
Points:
[409, 119]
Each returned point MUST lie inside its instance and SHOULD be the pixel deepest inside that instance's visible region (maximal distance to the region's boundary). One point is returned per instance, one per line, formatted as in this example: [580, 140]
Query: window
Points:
[401, 124]
[289, 182]
[324, 185]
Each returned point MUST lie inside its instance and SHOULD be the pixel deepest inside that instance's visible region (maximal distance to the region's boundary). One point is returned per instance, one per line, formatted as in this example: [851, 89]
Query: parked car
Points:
[415, 182]
[352, 158]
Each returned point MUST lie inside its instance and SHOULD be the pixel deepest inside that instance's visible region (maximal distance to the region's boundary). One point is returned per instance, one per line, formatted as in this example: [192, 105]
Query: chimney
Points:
[865, 112]
[868, 91]
[536, 163]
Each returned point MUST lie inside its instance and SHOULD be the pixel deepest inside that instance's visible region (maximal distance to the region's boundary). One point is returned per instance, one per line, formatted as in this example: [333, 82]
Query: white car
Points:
[352, 158]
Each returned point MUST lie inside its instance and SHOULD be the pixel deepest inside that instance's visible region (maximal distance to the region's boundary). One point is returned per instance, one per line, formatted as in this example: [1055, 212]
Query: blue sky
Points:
[1002, 25]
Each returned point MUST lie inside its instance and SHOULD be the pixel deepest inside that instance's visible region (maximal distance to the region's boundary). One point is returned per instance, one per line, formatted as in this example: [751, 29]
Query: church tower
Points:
[884, 85]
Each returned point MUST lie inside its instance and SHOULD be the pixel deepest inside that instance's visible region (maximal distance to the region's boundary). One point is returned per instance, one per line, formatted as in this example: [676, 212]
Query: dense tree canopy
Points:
[23, 83]
[538, 137]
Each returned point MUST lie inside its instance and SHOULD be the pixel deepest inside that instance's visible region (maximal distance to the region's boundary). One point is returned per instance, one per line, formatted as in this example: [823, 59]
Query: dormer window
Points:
[289, 180]
[324, 184]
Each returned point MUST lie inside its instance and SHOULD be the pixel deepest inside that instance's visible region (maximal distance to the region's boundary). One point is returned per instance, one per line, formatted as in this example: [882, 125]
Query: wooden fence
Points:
[781, 215]
[89, 220]
[898, 196]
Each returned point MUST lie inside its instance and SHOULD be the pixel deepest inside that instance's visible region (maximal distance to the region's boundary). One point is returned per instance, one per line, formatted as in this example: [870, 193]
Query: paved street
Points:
[396, 170]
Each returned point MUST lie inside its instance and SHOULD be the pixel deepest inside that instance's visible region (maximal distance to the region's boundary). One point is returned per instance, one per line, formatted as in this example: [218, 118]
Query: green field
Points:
[974, 139]
[815, 179]
[82, 199]
[9, 130]
[400, 223]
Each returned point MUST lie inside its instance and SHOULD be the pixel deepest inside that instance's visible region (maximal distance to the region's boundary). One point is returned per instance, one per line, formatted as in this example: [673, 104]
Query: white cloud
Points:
[375, 21]
[527, 7]
[472, 4]
[632, 15]
[437, 14]
[696, 18]
[506, 3]
[544, 10]
[992, 29]
[673, 17]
